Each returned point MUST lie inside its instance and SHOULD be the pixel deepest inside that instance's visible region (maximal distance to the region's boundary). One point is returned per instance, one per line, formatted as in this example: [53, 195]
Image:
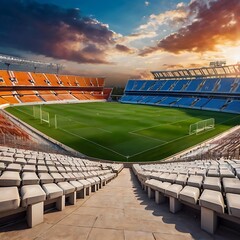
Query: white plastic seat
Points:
[66, 187]
[52, 190]
[212, 200]
[45, 178]
[9, 198]
[30, 178]
[189, 194]
[212, 183]
[233, 204]
[9, 179]
[231, 185]
[31, 194]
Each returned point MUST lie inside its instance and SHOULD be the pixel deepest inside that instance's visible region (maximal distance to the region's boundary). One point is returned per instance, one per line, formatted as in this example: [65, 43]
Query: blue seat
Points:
[180, 84]
[233, 106]
[225, 85]
[193, 85]
[200, 103]
[209, 85]
[167, 85]
[215, 104]
[185, 102]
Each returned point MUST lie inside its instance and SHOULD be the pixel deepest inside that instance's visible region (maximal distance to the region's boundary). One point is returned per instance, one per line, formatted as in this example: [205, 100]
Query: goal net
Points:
[38, 113]
[201, 126]
[44, 117]
[61, 122]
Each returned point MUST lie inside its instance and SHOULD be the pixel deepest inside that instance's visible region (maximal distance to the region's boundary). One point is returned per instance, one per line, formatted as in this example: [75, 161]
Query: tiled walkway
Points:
[119, 211]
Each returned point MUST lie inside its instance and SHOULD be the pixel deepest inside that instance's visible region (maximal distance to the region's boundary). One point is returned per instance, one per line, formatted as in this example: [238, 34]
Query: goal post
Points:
[200, 126]
[44, 117]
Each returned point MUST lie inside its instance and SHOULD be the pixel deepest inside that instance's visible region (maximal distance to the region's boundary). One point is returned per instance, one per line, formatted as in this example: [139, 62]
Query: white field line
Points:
[157, 146]
[104, 130]
[172, 123]
[133, 132]
[144, 136]
[76, 135]
[227, 120]
[23, 112]
[176, 139]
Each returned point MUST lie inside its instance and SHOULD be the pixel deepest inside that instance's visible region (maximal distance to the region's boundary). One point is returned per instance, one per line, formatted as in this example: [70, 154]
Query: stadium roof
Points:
[204, 72]
[28, 64]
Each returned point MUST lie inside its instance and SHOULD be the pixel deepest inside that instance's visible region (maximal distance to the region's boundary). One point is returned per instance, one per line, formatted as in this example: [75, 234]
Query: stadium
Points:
[160, 159]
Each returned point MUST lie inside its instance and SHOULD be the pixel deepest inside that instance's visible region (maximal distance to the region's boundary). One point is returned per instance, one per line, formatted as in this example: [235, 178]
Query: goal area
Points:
[201, 126]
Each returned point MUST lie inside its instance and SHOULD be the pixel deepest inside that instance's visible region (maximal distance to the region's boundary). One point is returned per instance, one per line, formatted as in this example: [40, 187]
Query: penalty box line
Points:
[159, 146]
[142, 129]
[144, 136]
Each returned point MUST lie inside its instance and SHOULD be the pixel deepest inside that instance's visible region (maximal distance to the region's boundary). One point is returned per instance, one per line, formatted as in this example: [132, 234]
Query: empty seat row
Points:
[29, 187]
[215, 197]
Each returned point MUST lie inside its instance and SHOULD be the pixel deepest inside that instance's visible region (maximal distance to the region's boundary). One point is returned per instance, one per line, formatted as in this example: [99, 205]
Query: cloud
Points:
[171, 17]
[138, 36]
[54, 31]
[213, 23]
[123, 48]
[147, 3]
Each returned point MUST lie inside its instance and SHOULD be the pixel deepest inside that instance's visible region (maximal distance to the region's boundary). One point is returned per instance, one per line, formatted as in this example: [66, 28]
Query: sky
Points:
[121, 39]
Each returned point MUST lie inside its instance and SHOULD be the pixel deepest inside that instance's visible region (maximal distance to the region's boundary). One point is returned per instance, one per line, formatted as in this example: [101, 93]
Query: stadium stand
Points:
[227, 146]
[211, 186]
[204, 88]
[8, 128]
[30, 181]
[26, 87]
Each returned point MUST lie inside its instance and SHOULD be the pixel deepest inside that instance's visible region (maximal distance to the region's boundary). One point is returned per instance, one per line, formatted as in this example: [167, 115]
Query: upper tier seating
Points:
[207, 94]
[15, 78]
[21, 78]
[30, 181]
[209, 185]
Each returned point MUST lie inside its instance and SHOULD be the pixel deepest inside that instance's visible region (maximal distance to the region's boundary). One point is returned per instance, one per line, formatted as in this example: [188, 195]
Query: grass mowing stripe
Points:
[141, 135]
[179, 138]
[24, 112]
[159, 146]
[76, 135]
[111, 123]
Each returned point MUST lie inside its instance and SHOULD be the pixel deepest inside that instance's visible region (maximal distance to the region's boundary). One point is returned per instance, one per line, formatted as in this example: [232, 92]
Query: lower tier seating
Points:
[214, 104]
[30, 181]
[211, 186]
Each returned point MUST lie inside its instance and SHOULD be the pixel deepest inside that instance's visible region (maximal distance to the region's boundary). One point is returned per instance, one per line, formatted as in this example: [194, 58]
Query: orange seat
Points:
[65, 80]
[6, 78]
[48, 96]
[22, 78]
[53, 79]
[29, 98]
[40, 79]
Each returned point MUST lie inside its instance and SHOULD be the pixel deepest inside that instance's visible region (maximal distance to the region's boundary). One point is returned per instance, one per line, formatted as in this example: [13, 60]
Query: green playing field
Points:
[124, 132]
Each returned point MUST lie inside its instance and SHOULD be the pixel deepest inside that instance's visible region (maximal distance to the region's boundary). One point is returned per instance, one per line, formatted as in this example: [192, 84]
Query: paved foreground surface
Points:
[119, 211]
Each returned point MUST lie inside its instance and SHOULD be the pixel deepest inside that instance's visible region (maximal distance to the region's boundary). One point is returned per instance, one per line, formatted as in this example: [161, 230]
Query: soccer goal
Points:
[61, 122]
[38, 113]
[200, 126]
[44, 117]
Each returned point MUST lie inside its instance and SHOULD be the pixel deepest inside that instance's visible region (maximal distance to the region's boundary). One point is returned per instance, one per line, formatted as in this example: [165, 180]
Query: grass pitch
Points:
[124, 132]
